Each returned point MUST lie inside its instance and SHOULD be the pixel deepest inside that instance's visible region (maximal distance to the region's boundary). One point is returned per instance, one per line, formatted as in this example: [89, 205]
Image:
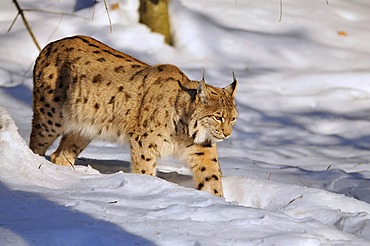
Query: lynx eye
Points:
[218, 118]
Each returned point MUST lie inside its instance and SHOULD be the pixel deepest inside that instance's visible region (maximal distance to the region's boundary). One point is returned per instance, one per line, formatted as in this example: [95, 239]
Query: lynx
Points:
[86, 90]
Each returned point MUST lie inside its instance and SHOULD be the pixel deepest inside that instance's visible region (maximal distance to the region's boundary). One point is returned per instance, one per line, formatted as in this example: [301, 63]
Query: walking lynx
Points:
[85, 90]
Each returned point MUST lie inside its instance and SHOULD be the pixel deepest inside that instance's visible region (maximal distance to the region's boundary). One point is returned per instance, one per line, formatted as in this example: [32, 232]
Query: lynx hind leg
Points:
[46, 126]
[144, 154]
[203, 162]
[71, 145]
[47, 123]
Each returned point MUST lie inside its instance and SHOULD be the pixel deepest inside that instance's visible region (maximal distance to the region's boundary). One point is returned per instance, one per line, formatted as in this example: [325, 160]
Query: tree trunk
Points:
[154, 14]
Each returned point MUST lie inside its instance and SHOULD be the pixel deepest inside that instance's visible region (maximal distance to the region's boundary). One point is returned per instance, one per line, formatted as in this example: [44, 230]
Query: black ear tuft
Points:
[231, 88]
[201, 90]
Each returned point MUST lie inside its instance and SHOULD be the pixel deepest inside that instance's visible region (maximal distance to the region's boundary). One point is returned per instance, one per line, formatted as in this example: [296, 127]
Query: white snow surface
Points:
[296, 170]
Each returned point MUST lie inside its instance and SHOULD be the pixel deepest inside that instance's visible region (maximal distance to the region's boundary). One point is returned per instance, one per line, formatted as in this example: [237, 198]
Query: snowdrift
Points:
[43, 204]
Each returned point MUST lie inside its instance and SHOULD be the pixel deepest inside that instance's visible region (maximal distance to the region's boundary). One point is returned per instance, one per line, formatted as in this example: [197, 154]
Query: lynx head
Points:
[215, 113]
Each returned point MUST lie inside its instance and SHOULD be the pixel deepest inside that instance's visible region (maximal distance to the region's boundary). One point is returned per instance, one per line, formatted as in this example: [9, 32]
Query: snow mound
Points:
[299, 202]
[41, 202]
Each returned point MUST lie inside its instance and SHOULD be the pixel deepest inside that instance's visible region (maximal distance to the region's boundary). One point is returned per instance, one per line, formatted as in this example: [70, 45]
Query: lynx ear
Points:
[231, 88]
[201, 90]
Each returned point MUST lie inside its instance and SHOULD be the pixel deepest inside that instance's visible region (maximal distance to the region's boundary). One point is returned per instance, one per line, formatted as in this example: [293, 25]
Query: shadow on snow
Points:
[37, 221]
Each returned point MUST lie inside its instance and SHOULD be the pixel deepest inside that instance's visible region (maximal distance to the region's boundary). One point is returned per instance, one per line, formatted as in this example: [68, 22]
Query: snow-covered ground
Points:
[296, 168]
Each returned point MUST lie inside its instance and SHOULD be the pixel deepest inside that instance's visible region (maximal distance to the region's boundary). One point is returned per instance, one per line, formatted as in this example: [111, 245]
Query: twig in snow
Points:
[281, 10]
[110, 22]
[301, 196]
[73, 167]
[268, 178]
[70, 163]
[328, 167]
[106, 8]
[93, 11]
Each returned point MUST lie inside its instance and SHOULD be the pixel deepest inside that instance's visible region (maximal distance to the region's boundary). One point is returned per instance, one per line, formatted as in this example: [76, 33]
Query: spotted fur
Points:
[85, 90]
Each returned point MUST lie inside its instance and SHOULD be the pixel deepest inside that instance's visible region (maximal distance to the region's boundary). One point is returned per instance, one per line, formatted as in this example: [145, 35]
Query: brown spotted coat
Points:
[85, 90]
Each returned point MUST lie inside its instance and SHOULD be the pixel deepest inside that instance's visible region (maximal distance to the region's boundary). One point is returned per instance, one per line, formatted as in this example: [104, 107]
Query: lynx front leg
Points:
[144, 154]
[203, 161]
[69, 148]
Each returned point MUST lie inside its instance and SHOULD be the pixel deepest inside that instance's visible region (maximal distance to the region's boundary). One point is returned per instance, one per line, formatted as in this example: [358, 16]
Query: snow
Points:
[296, 170]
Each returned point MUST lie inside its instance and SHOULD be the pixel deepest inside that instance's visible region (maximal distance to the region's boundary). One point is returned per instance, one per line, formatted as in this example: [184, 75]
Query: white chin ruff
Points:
[217, 139]
[202, 136]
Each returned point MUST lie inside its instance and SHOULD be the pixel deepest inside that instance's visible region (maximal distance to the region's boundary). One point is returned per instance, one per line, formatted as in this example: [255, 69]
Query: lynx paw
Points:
[62, 160]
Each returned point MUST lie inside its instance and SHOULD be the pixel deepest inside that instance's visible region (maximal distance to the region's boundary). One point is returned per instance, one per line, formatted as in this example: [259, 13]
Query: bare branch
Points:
[54, 13]
[20, 12]
[11, 26]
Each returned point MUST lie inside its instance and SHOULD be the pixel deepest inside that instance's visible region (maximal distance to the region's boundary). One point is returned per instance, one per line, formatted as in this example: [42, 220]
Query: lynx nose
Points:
[226, 133]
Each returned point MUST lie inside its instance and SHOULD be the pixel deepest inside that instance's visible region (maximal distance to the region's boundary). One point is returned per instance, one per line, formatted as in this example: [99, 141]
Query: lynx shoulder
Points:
[85, 90]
